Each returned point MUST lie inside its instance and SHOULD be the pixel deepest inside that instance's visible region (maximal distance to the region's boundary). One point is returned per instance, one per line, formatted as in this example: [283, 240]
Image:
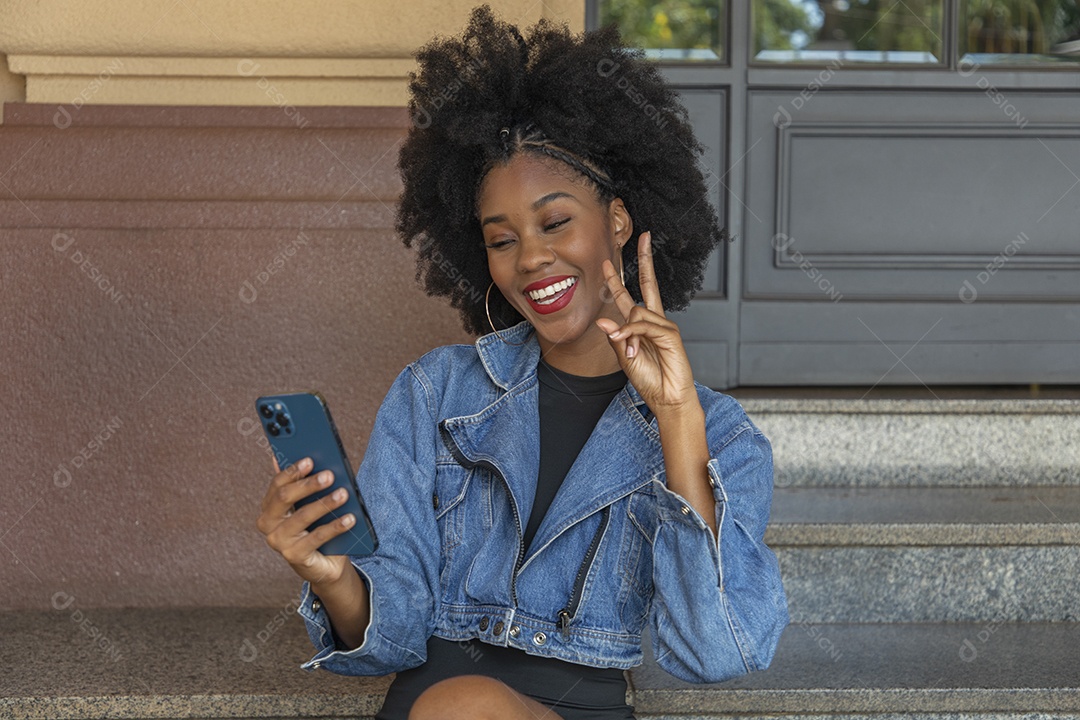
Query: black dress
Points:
[570, 406]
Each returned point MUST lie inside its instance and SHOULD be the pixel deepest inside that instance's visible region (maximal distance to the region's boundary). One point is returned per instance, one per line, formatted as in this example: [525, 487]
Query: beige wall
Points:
[12, 87]
[242, 52]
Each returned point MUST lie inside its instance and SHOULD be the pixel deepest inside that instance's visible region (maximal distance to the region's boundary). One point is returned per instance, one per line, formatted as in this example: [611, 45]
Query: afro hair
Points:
[588, 100]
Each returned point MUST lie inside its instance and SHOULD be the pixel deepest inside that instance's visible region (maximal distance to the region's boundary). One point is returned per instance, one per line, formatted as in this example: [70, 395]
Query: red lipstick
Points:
[554, 302]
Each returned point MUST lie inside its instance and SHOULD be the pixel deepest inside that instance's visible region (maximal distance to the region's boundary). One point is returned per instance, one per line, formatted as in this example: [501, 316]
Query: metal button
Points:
[316, 666]
[484, 622]
[316, 604]
[685, 510]
[515, 631]
[435, 500]
[497, 630]
[539, 638]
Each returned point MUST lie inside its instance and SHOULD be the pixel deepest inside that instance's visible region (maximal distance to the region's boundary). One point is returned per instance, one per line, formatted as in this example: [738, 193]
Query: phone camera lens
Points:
[266, 411]
[274, 429]
[282, 419]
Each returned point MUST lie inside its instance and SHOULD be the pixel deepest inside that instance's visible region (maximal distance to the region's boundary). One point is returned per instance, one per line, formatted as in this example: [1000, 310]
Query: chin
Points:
[561, 332]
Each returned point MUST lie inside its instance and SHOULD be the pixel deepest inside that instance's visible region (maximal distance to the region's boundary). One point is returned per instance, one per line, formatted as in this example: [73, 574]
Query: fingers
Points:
[646, 324]
[650, 289]
[304, 549]
[295, 526]
[297, 522]
[290, 473]
[290, 485]
[286, 528]
[610, 327]
[642, 328]
[619, 294]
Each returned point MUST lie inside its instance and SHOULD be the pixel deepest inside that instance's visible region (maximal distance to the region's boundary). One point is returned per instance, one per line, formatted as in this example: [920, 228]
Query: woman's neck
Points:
[590, 354]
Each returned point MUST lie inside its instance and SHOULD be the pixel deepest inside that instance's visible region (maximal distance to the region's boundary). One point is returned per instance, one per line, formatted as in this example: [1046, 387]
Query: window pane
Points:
[670, 29]
[861, 31]
[1020, 31]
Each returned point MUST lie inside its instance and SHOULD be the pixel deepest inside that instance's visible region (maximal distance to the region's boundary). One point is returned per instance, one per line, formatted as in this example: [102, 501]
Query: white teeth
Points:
[550, 290]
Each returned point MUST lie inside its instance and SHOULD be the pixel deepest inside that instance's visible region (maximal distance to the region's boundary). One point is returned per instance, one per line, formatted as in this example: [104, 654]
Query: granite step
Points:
[75, 664]
[890, 670]
[928, 554]
[905, 443]
[891, 516]
[78, 663]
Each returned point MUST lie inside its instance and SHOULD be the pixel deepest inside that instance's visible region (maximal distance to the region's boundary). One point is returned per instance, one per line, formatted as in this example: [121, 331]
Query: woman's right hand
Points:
[285, 528]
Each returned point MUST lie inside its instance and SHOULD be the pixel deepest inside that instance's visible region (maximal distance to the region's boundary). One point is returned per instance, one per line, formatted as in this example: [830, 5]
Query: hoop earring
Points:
[488, 310]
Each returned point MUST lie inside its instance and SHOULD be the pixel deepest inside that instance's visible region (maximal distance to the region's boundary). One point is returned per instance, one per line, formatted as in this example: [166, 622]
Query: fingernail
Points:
[614, 335]
[305, 464]
[339, 494]
[348, 520]
[324, 478]
[630, 351]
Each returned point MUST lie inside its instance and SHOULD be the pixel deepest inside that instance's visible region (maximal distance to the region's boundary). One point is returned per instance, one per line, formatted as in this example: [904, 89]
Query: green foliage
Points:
[678, 24]
[868, 25]
[1018, 26]
[987, 26]
[775, 21]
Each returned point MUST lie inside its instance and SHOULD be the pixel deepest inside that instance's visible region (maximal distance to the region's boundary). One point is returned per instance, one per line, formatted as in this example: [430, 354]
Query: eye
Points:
[499, 244]
[549, 228]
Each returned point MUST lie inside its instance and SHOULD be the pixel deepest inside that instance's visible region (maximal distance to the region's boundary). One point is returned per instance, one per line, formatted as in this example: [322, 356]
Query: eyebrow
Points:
[535, 206]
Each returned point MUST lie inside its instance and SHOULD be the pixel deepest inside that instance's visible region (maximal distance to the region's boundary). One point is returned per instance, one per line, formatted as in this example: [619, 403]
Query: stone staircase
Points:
[931, 555]
[930, 551]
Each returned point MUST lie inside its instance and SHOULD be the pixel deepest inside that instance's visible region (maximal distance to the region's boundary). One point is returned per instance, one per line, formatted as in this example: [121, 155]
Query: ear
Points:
[622, 226]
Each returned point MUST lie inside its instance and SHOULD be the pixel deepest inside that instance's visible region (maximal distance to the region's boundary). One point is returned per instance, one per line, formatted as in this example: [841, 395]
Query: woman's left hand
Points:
[648, 345]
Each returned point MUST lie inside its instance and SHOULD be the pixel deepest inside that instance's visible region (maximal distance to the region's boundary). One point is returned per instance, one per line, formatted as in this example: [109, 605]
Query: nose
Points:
[534, 252]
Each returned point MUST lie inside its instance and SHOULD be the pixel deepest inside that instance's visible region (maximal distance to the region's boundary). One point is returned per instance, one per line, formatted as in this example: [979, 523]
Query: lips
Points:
[551, 293]
[540, 284]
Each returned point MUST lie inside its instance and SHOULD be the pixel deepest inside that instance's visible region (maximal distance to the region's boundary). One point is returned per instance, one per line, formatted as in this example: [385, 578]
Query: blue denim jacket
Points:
[449, 477]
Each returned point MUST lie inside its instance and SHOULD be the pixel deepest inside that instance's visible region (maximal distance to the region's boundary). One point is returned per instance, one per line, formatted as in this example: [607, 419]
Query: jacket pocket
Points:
[452, 482]
[636, 559]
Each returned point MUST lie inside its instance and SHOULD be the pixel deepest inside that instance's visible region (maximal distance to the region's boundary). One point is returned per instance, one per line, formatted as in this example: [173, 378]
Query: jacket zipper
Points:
[566, 615]
[465, 462]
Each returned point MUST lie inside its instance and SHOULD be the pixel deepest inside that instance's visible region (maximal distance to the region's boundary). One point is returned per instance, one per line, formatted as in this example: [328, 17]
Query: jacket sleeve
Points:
[719, 607]
[396, 480]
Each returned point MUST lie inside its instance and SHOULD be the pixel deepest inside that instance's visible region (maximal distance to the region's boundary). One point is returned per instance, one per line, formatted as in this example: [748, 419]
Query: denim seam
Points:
[738, 634]
[421, 377]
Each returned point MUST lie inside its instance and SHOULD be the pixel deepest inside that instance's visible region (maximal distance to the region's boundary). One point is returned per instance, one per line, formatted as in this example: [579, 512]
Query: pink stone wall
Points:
[161, 268]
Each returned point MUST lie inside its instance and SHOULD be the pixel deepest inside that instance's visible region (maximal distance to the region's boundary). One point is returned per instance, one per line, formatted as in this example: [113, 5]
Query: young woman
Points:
[543, 494]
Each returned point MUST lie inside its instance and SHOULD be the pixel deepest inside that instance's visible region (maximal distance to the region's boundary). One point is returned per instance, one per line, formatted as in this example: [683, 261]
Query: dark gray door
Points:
[897, 217]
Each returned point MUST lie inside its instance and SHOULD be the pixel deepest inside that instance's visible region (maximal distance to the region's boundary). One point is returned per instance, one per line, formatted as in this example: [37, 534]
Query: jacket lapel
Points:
[499, 435]
[622, 454]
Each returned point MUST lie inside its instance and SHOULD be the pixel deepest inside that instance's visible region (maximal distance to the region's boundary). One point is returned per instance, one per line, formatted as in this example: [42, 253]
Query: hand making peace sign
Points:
[657, 364]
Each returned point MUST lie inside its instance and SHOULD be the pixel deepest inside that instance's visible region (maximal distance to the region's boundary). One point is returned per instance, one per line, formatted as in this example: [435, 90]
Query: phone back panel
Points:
[304, 428]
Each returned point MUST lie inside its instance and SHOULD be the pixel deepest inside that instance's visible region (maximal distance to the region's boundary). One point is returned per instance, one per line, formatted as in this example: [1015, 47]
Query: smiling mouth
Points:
[551, 293]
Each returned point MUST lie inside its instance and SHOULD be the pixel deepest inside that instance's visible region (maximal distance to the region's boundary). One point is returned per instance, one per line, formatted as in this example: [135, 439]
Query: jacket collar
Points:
[622, 454]
[507, 365]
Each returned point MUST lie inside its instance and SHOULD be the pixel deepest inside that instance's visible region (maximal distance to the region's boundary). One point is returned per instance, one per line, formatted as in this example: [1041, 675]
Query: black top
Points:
[570, 406]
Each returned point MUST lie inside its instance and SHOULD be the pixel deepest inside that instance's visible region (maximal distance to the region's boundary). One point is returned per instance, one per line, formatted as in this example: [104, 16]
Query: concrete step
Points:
[938, 670]
[928, 554]
[78, 663]
[847, 516]
[903, 443]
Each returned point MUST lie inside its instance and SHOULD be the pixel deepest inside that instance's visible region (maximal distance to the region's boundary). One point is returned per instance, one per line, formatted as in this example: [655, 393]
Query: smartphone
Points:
[299, 425]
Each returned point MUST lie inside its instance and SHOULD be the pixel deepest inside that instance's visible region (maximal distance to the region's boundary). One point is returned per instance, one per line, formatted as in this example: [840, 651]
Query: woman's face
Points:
[542, 224]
